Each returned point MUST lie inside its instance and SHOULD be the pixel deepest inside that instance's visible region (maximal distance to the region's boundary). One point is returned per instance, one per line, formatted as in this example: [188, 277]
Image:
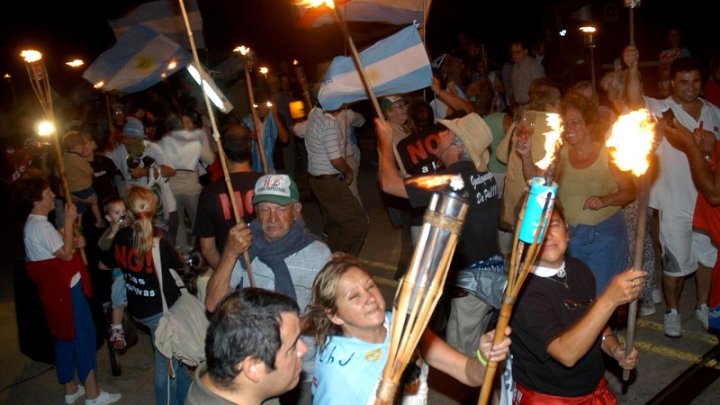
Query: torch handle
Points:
[637, 263]
[503, 321]
[256, 119]
[632, 26]
[216, 135]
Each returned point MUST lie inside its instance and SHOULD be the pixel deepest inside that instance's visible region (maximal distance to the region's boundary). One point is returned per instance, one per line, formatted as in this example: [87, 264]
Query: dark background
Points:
[62, 30]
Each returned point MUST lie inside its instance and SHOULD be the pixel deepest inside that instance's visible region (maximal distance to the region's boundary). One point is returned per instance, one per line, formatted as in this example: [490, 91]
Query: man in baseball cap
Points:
[285, 256]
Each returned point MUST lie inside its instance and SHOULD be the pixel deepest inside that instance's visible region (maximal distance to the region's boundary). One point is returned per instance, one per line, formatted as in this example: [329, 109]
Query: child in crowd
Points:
[116, 214]
[79, 175]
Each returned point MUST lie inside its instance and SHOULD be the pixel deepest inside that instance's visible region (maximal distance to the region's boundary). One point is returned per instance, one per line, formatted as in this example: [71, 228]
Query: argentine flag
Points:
[165, 17]
[140, 58]
[395, 65]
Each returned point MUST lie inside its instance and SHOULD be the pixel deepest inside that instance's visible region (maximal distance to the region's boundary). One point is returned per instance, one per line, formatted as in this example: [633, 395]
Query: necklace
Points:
[558, 276]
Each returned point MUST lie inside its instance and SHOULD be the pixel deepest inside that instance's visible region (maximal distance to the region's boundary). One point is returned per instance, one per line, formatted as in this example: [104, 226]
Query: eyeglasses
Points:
[573, 305]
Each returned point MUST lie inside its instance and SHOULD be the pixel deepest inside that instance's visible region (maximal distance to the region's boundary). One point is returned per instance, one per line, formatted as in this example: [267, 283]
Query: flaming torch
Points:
[529, 234]
[423, 284]
[330, 4]
[247, 56]
[630, 143]
[216, 137]
[40, 82]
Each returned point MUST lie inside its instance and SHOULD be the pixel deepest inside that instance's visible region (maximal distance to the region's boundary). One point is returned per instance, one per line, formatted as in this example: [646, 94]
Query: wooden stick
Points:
[40, 83]
[637, 264]
[359, 65]
[216, 137]
[511, 293]
[304, 86]
[256, 119]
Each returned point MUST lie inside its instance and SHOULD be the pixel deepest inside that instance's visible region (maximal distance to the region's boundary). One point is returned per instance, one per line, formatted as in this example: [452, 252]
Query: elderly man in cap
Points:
[285, 256]
[462, 147]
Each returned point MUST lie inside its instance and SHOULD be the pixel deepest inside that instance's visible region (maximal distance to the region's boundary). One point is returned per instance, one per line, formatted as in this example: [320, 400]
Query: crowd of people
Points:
[295, 318]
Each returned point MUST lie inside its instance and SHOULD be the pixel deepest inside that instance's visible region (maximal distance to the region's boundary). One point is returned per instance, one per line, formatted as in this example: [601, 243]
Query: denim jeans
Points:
[603, 248]
[168, 391]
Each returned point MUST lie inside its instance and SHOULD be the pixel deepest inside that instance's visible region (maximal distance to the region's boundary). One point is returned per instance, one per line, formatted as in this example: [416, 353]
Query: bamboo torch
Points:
[216, 137]
[245, 52]
[529, 234]
[353, 51]
[40, 82]
[303, 84]
[630, 144]
[423, 284]
[631, 4]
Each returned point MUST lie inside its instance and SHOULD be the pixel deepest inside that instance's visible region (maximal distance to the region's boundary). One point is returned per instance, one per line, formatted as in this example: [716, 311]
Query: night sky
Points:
[77, 28]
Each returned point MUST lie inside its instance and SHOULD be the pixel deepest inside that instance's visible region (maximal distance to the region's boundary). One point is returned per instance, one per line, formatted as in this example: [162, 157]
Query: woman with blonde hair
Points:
[132, 252]
[352, 329]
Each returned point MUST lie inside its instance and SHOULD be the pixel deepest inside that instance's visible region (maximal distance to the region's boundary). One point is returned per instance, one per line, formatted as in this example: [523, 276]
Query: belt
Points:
[324, 176]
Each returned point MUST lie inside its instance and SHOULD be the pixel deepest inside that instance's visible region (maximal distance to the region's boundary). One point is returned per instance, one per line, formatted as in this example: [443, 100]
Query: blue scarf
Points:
[274, 253]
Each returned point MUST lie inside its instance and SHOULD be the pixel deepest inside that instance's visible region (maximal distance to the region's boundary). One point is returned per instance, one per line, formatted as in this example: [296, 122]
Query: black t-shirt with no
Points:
[541, 315]
[141, 282]
[479, 237]
[215, 214]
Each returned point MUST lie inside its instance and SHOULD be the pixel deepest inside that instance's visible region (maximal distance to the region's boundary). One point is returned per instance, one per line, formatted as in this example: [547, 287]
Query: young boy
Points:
[116, 215]
[79, 175]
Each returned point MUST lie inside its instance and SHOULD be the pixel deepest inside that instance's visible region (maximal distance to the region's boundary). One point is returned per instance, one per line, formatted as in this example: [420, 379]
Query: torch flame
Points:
[243, 50]
[295, 62]
[317, 3]
[31, 55]
[437, 180]
[631, 141]
[552, 140]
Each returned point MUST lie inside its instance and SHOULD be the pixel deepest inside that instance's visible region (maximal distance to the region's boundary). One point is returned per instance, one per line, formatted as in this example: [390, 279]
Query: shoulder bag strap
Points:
[157, 264]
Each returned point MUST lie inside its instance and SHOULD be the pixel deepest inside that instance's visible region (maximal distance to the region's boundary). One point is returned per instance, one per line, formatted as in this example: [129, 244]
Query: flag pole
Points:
[358, 64]
[216, 137]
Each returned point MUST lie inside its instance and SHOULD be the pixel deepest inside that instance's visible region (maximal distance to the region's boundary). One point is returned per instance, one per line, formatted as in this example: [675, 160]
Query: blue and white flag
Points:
[140, 58]
[165, 17]
[395, 65]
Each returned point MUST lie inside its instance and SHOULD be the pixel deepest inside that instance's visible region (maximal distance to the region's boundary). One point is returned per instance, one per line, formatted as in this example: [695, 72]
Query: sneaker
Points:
[71, 398]
[701, 314]
[673, 323]
[117, 337]
[657, 296]
[647, 308]
[103, 399]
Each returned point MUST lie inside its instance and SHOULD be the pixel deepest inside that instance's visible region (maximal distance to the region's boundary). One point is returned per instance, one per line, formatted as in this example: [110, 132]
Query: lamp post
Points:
[589, 31]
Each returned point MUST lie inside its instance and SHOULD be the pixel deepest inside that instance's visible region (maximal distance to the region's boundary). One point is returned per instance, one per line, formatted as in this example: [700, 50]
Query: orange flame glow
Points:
[317, 3]
[553, 140]
[631, 141]
[435, 181]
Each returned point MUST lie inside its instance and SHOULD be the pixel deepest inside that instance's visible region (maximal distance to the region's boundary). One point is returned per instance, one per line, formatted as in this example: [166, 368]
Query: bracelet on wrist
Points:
[480, 358]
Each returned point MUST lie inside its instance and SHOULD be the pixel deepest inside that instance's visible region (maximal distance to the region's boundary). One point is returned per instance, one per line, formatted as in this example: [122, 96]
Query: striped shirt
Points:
[324, 142]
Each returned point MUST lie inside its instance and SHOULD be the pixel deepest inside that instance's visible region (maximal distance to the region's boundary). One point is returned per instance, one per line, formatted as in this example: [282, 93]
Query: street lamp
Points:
[589, 31]
[75, 63]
